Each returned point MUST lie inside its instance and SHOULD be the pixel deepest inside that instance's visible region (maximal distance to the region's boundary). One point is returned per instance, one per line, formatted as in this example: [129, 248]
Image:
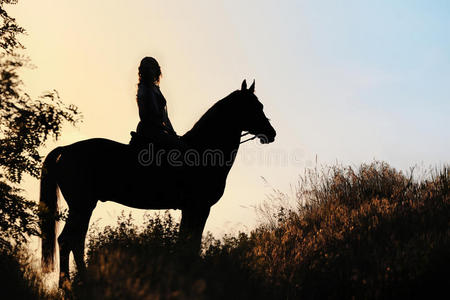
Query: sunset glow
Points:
[355, 83]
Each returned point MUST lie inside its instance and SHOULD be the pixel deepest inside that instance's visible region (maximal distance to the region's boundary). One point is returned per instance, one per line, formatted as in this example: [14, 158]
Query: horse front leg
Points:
[193, 222]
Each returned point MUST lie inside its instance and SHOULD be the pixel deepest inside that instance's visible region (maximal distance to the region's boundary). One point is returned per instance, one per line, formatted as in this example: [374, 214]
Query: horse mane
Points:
[212, 114]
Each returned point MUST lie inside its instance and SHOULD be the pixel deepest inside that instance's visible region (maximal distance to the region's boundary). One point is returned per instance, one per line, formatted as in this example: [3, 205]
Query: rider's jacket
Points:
[152, 111]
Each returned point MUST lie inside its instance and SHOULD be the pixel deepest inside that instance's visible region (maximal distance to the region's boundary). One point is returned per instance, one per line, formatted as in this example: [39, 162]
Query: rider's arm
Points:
[168, 124]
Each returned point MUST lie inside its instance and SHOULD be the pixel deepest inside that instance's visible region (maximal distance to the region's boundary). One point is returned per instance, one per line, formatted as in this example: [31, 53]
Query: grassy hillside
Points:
[18, 280]
[371, 233]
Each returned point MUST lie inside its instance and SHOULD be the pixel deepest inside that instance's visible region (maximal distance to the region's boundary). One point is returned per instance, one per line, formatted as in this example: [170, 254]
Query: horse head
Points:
[251, 115]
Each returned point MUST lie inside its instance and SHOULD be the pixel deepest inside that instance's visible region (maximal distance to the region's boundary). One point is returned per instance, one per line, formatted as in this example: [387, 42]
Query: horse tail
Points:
[48, 206]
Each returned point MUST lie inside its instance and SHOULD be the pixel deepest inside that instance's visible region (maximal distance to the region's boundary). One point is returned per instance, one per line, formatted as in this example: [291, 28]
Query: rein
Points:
[249, 139]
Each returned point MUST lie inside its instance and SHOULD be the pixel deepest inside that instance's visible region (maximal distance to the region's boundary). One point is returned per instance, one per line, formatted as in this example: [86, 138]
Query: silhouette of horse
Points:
[105, 170]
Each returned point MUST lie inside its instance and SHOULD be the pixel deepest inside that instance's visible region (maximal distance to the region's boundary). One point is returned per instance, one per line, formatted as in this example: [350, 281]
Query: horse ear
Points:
[252, 87]
[244, 85]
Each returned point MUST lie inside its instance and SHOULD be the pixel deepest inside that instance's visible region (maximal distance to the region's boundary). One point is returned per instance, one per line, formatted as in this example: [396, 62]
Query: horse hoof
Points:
[64, 282]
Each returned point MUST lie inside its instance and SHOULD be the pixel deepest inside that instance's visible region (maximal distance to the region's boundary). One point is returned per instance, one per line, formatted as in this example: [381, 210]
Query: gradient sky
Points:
[348, 81]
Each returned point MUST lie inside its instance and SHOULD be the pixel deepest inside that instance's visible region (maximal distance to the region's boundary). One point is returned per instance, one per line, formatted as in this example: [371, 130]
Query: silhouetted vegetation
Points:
[127, 262]
[368, 233]
[18, 280]
[371, 233]
[26, 123]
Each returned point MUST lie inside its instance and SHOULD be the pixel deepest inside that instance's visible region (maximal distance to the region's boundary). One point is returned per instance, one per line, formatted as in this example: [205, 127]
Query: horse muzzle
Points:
[267, 138]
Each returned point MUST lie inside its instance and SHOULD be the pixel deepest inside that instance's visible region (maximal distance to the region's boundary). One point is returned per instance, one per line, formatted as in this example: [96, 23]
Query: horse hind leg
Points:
[72, 238]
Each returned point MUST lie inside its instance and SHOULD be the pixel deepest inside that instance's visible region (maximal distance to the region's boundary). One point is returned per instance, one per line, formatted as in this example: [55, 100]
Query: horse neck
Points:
[215, 130]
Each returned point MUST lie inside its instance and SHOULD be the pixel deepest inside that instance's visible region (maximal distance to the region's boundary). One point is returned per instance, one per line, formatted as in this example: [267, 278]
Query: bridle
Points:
[249, 139]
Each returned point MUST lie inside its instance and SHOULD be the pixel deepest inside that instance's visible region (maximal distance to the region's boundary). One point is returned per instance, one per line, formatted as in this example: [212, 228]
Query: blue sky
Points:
[358, 79]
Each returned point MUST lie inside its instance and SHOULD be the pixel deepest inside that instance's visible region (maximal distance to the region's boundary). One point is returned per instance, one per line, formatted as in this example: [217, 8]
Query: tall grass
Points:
[19, 280]
[366, 233]
[369, 233]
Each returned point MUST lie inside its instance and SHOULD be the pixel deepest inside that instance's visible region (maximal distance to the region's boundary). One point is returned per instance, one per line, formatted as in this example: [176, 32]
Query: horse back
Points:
[109, 170]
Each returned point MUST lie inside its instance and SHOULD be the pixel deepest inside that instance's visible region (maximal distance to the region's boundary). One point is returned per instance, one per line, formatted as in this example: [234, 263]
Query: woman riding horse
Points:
[99, 169]
[154, 125]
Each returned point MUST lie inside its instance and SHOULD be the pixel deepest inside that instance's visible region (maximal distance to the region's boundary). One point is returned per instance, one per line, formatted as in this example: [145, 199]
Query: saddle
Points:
[139, 142]
[138, 139]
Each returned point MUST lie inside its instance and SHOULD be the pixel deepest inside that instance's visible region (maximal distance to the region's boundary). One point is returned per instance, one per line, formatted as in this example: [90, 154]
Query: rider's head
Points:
[149, 71]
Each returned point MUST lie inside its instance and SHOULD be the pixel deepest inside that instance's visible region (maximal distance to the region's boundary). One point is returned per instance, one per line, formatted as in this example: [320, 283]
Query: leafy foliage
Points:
[26, 123]
[9, 29]
[18, 217]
